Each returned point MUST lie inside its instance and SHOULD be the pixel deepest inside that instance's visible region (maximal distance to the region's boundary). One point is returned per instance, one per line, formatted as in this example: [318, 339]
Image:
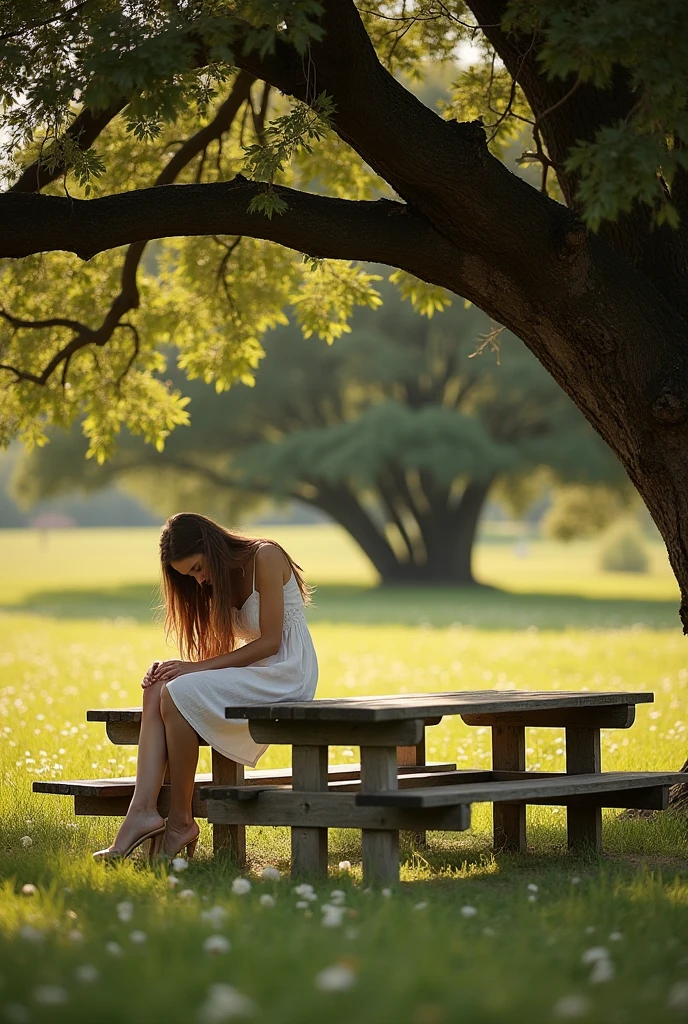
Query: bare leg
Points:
[143, 815]
[182, 751]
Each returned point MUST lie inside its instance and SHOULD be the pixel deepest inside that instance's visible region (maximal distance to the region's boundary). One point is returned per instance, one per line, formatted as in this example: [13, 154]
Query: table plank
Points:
[393, 707]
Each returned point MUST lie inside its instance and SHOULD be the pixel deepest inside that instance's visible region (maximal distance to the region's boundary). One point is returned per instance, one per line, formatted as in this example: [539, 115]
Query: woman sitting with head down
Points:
[218, 588]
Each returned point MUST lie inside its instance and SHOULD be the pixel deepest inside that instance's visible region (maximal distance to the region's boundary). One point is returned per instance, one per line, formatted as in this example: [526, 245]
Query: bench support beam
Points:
[584, 824]
[380, 847]
[309, 845]
[509, 820]
[413, 757]
[228, 839]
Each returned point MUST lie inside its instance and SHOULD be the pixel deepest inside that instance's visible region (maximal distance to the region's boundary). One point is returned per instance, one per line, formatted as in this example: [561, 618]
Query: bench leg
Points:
[509, 820]
[309, 845]
[584, 824]
[380, 846]
[414, 756]
[229, 839]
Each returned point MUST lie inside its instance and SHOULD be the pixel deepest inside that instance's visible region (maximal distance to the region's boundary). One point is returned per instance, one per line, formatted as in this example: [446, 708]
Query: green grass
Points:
[77, 632]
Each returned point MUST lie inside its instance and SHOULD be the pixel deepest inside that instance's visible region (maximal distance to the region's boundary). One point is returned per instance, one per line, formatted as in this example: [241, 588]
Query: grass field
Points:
[76, 615]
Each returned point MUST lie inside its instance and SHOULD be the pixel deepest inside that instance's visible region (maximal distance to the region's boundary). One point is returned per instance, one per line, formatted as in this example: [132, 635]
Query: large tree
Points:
[394, 431]
[595, 285]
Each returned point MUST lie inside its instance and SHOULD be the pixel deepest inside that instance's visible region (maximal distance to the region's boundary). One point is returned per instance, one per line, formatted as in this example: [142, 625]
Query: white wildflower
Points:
[575, 880]
[615, 937]
[421, 906]
[224, 1002]
[338, 897]
[468, 911]
[217, 944]
[306, 892]
[270, 874]
[172, 881]
[240, 886]
[216, 916]
[532, 887]
[386, 893]
[50, 995]
[302, 905]
[31, 934]
[29, 889]
[179, 864]
[266, 900]
[571, 1007]
[332, 915]
[125, 911]
[187, 894]
[113, 948]
[138, 938]
[603, 970]
[337, 978]
[75, 935]
[678, 996]
[592, 955]
[345, 865]
[86, 974]
[26, 841]
[532, 898]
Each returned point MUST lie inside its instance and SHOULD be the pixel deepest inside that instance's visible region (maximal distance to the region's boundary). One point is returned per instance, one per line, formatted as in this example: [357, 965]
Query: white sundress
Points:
[291, 674]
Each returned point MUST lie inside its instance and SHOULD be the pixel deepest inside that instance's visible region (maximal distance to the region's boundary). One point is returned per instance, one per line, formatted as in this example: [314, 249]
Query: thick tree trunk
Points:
[448, 537]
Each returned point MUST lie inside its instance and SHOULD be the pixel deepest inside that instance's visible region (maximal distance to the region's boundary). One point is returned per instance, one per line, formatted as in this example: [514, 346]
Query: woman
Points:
[218, 588]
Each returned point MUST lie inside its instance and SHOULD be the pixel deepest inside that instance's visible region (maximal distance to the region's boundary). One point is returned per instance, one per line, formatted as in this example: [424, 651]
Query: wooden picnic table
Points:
[381, 725]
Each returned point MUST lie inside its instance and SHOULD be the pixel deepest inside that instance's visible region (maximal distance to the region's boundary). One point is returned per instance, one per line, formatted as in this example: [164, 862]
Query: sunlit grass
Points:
[77, 633]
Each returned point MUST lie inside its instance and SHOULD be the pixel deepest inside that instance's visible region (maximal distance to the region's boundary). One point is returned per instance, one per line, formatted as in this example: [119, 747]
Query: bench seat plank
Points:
[346, 773]
[521, 791]
[395, 707]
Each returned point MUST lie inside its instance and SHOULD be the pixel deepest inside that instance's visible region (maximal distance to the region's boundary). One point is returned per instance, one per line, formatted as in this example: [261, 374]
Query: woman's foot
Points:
[178, 836]
[135, 825]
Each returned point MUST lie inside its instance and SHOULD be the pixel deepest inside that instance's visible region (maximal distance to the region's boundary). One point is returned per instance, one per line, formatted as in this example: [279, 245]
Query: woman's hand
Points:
[168, 670]
[150, 676]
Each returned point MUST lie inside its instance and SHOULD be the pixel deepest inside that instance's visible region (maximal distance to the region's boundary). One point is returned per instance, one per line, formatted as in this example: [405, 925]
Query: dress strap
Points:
[254, 567]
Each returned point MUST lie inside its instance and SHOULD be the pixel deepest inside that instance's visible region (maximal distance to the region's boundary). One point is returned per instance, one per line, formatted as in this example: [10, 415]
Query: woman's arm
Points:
[270, 571]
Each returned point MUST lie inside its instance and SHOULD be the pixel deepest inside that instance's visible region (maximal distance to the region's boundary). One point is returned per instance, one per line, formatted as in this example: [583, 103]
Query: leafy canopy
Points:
[167, 67]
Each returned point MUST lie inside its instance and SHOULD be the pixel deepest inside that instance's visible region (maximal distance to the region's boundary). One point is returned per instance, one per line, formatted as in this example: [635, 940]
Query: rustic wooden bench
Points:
[380, 725]
[111, 797]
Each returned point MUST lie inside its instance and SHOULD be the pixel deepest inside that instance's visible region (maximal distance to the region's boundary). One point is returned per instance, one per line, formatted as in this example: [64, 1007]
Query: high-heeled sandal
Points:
[155, 836]
[189, 845]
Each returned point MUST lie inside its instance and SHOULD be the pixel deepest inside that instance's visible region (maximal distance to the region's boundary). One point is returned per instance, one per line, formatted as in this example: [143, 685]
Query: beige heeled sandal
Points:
[189, 845]
[156, 837]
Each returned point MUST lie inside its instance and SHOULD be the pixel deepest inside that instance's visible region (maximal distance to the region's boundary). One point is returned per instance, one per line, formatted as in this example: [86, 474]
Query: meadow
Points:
[466, 935]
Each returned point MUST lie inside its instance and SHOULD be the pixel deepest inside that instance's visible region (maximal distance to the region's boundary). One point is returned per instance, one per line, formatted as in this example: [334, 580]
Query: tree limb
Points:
[84, 130]
[128, 297]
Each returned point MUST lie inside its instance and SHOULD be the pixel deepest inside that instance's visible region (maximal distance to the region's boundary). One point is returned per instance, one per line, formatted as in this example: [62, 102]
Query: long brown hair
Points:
[199, 617]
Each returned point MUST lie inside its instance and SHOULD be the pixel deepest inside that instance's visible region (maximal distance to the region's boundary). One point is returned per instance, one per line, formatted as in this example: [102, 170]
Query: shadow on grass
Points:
[435, 607]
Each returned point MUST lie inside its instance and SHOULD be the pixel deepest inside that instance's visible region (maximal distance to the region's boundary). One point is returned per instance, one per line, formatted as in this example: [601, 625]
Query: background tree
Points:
[394, 431]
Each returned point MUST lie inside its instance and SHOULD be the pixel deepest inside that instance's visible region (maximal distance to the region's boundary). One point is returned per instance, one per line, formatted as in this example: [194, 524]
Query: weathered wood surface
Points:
[409, 756]
[391, 707]
[613, 716]
[380, 847]
[521, 790]
[308, 844]
[333, 810]
[344, 773]
[228, 839]
[335, 734]
[509, 820]
[583, 756]
[404, 781]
